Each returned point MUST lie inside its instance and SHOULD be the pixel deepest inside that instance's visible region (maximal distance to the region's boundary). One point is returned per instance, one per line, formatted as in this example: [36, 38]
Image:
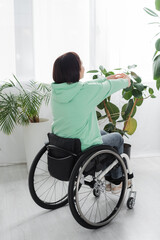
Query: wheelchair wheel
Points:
[46, 191]
[91, 203]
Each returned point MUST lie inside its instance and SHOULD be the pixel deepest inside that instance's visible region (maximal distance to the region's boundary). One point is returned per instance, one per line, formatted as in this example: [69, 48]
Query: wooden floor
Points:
[22, 219]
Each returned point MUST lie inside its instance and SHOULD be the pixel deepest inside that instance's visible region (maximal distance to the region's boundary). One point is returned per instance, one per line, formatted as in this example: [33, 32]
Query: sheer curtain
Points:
[7, 41]
[59, 26]
[103, 32]
[123, 36]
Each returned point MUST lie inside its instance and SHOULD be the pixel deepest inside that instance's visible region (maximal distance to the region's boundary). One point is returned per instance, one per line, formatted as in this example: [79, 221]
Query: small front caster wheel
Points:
[130, 202]
[96, 192]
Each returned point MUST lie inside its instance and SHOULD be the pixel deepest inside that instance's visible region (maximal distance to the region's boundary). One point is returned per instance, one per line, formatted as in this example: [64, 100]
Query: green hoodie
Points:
[74, 108]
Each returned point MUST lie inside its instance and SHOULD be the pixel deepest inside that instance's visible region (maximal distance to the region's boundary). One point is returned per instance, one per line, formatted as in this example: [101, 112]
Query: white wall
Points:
[146, 140]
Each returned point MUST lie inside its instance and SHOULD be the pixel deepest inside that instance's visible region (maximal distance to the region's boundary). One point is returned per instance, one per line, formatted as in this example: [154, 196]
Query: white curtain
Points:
[59, 26]
[123, 36]
[103, 32]
[7, 41]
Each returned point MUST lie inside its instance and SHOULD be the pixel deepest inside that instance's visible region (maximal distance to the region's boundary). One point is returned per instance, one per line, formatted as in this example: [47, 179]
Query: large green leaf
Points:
[113, 109]
[155, 53]
[109, 127]
[126, 95]
[139, 86]
[131, 126]
[156, 68]
[128, 89]
[136, 93]
[157, 44]
[139, 102]
[158, 84]
[126, 109]
[157, 4]
[136, 77]
[129, 107]
[100, 105]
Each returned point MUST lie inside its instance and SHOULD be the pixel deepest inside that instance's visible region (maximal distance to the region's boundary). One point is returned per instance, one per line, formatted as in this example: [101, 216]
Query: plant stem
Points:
[107, 112]
[126, 123]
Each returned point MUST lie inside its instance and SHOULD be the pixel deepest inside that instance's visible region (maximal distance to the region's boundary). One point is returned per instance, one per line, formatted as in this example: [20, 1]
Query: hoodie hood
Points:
[64, 92]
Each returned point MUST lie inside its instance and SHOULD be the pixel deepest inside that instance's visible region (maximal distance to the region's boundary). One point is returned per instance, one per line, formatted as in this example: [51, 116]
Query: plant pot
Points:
[35, 135]
[127, 149]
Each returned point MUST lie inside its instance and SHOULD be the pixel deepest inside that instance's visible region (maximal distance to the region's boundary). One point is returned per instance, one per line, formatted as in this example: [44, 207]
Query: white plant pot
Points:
[35, 135]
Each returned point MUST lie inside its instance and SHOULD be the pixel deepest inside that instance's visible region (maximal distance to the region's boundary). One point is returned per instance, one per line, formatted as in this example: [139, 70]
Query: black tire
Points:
[43, 186]
[130, 202]
[81, 184]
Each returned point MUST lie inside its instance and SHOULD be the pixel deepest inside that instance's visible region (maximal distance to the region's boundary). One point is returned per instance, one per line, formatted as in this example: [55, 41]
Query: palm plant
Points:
[22, 106]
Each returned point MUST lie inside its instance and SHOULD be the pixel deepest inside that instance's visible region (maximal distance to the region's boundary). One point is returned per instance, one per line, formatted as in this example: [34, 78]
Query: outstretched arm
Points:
[122, 76]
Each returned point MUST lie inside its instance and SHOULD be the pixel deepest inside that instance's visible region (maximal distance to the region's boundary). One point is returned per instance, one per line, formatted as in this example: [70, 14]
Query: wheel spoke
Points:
[46, 191]
[93, 203]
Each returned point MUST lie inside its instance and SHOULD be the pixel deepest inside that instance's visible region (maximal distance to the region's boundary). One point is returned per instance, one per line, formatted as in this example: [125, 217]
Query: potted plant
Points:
[156, 56]
[123, 120]
[20, 105]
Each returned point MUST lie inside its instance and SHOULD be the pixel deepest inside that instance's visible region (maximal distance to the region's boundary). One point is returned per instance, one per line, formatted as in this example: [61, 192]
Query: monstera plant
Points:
[133, 97]
[156, 56]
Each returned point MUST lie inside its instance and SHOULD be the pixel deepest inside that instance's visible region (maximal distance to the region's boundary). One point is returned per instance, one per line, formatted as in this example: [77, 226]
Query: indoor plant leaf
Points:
[100, 105]
[150, 12]
[157, 44]
[156, 68]
[93, 71]
[136, 77]
[157, 4]
[103, 70]
[139, 102]
[131, 126]
[113, 109]
[136, 93]
[95, 76]
[139, 86]
[109, 127]
[132, 66]
[98, 114]
[126, 95]
[126, 115]
[129, 88]
[129, 107]
[158, 84]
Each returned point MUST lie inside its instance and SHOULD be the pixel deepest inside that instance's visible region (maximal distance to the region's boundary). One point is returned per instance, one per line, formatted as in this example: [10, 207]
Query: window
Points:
[7, 43]
[59, 26]
[123, 36]
[103, 32]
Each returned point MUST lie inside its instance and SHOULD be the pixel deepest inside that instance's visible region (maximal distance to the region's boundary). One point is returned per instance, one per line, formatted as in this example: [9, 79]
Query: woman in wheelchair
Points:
[81, 164]
[74, 105]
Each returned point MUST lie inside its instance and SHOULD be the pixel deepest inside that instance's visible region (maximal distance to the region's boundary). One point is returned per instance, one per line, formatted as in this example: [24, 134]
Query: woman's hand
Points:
[120, 75]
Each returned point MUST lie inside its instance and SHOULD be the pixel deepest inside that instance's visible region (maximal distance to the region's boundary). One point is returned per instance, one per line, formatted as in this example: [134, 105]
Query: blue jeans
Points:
[114, 140]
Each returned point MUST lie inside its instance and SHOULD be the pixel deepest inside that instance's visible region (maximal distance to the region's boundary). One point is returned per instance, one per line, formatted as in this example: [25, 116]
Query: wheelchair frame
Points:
[90, 203]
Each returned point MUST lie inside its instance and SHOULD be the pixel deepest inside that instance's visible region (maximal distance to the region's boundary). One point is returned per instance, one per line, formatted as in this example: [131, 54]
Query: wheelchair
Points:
[59, 176]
